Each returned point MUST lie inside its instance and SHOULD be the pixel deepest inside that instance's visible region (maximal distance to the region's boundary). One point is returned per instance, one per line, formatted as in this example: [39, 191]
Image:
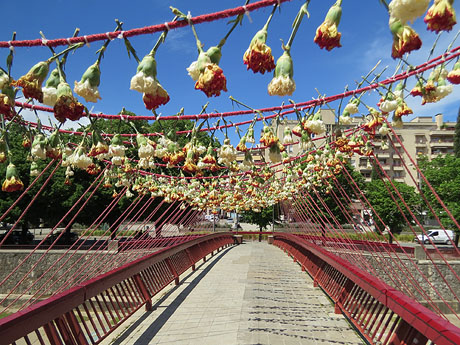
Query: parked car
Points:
[73, 237]
[211, 217]
[437, 236]
[16, 237]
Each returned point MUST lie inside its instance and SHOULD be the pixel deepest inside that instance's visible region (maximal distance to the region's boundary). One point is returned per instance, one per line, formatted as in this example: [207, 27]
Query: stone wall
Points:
[77, 263]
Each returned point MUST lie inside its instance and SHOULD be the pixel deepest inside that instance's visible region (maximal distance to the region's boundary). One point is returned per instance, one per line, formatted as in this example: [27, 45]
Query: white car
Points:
[437, 236]
[212, 217]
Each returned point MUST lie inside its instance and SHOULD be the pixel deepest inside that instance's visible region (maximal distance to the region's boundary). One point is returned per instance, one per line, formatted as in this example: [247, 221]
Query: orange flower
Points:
[258, 57]
[93, 169]
[153, 101]
[31, 83]
[12, 182]
[441, 16]
[327, 35]
[454, 75]
[405, 39]
[7, 105]
[67, 107]
[403, 109]
[211, 81]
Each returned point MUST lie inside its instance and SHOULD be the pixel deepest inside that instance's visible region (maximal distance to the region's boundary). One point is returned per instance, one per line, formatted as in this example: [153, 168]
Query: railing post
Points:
[52, 334]
[342, 296]
[191, 259]
[75, 328]
[405, 334]
[173, 271]
[143, 291]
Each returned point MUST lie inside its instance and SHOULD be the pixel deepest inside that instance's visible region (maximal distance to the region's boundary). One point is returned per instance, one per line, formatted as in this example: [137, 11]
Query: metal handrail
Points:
[72, 317]
[382, 314]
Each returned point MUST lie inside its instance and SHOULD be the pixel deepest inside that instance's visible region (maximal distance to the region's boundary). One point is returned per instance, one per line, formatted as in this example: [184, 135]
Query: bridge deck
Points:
[247, 294]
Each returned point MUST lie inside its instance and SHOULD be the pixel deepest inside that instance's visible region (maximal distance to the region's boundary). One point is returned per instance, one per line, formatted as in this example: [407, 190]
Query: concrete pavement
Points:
[247, 294]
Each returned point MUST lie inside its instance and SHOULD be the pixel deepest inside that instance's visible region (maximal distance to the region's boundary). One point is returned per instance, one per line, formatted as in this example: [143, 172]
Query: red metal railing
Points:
[379, 312]
[87, 313]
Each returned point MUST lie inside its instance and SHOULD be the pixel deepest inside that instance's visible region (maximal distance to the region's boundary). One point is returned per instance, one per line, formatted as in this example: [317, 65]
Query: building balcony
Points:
[421, 144]
[442, 144]
[398, 167]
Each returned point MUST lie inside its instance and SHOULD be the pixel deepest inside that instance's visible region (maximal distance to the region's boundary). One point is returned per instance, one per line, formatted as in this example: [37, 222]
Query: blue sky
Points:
[365, 40]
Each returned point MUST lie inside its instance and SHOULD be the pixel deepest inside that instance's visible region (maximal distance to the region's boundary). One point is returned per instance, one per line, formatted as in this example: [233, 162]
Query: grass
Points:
[4, 314]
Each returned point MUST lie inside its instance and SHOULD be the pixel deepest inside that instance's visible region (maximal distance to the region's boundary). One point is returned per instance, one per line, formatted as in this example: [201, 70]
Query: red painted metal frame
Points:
[87, 313]
[382, 314]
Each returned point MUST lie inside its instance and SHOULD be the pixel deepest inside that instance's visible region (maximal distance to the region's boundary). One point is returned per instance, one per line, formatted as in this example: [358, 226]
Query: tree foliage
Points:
[443, 173]
[381, 200]
[457, 136]
[262, 218]
[346, 189]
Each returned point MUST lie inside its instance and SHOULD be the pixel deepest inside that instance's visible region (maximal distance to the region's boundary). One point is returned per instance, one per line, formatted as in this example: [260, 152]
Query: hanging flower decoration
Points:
[145, 151]
[34, 169]
[454, 75]
[38, 149]
[402, 108]
[327, 34]
[441, 16]
[282, 83]
[7, 97]
[145, 81]
[205, 70]
[87, 87]
[405, 39]
[12, 182]
[258, 57]
[50, 89]
[31, 82]
[3, 148]
[117, 150]
[345, 118]
[407, 10]
[79, 159]
[226, 153]
[53, 145]
[208, 75]
[67, 106]
[99, 147]
[314, 124]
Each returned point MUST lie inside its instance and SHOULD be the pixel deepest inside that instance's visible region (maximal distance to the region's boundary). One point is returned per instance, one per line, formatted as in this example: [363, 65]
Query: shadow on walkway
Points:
[160, 321]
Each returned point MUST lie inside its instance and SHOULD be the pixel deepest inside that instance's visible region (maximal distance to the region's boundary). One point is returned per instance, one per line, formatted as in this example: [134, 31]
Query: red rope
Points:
[142, 31]
[455, 52]
[48, 284]
[41, 242]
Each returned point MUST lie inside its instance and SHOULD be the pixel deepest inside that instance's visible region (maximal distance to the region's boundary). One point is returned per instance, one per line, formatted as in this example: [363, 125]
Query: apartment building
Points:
[422, 135]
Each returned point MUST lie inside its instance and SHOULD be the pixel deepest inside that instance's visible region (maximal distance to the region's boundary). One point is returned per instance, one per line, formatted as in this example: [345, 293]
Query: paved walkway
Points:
[247, 294]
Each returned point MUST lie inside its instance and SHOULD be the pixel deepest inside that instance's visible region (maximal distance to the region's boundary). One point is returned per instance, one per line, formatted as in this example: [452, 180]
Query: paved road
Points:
[248, 294]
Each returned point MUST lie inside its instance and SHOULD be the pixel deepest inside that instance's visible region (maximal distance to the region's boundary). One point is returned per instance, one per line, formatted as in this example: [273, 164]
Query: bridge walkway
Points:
[247, 294]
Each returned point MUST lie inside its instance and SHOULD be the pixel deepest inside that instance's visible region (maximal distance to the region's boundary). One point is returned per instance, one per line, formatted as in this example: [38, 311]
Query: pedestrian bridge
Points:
[213, 290]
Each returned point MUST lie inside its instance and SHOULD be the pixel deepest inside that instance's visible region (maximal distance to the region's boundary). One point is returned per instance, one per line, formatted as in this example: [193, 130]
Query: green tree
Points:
[443, 173]
[346, 189]
[457, 136]
[382, 202]
[262, 218]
